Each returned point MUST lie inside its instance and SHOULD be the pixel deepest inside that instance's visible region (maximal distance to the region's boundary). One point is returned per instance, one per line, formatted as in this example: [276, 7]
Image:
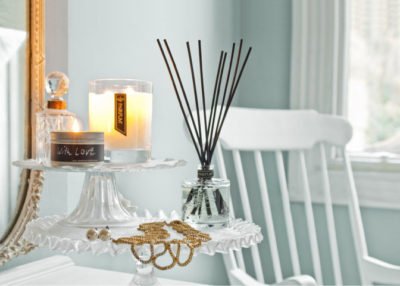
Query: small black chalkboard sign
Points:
[90, 153]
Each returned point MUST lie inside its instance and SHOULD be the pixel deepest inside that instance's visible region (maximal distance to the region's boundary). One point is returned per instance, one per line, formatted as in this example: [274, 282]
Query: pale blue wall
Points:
[266, 25]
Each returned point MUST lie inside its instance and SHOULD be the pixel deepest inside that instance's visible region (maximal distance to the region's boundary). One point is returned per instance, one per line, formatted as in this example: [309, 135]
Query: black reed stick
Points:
[195, 97]
[179, 99]
[213, 112]
[226, 87]
[183, 90]
[237, 66]
[212, 107]
[203, 97]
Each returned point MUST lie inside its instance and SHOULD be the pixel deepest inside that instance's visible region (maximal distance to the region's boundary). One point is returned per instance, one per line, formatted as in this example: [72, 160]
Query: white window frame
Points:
[319, 72]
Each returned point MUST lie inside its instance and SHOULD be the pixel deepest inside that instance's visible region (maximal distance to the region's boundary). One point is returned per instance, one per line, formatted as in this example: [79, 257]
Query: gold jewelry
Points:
[155, 234]
[133, 250]
[105, 234]
[92, 234]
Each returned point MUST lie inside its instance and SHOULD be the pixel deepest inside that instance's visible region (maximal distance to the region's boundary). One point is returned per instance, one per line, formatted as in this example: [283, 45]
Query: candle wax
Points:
[138, 120]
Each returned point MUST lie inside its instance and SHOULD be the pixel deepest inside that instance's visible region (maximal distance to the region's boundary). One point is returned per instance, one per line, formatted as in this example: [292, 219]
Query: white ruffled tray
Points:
[46, 232]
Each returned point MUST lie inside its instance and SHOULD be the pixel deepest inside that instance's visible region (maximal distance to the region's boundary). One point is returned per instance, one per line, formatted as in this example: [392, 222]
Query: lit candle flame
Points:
[76, 126]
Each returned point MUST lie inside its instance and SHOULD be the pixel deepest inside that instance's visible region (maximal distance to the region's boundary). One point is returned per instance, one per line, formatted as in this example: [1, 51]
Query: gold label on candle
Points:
[120, 113]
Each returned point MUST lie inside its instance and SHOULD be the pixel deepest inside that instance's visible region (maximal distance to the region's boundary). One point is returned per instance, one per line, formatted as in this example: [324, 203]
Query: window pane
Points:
[374, 83]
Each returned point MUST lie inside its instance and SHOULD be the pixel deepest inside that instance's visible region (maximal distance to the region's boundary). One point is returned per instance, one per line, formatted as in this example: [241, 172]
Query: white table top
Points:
[61, 270]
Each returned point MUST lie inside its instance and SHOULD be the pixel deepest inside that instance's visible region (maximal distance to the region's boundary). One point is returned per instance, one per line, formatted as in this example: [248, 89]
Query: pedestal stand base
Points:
[144, 275]
[100, 204]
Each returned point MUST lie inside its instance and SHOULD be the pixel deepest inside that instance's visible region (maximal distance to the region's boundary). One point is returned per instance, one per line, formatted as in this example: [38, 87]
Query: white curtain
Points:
[10, 41]
[319, 55]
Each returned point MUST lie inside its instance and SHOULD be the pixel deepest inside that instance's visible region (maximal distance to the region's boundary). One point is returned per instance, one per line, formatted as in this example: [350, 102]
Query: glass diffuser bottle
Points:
[55, 117]
[206, 200]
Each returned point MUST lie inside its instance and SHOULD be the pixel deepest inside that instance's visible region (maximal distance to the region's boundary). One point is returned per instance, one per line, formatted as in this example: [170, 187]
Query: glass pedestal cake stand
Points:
[100, 203]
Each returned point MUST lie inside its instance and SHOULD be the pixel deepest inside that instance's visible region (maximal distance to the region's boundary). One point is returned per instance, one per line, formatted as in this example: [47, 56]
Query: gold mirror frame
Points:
[31, 182]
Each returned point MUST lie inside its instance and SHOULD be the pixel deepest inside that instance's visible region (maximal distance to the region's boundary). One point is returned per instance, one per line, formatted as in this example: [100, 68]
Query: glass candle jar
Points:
[122, 109]
[77, 148]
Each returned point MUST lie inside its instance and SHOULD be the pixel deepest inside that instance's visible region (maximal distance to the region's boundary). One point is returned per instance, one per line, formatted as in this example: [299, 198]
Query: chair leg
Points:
[229, 265]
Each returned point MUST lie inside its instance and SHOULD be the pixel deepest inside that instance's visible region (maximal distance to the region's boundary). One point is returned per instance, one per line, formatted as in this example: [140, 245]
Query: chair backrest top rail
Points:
[271, 130]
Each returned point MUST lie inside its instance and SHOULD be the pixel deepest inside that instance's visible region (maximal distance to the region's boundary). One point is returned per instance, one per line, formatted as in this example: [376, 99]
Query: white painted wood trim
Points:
[27, 272]
[273, 246]
[281, 127]
[294, 255]
[325, 52]
[330, 219]
[376, 189]
[60, 270]
[247, 212]
[230, 259]
[312, 232]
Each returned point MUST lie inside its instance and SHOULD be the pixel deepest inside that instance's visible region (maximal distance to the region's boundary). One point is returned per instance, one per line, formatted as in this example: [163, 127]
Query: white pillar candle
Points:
[122, 109]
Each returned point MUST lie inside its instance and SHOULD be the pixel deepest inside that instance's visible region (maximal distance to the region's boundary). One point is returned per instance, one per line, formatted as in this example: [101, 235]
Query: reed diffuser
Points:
[206, 199]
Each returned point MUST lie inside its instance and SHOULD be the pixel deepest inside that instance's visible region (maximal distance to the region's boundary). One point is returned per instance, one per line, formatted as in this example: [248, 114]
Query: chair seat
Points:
[303, 280]
[242, 278]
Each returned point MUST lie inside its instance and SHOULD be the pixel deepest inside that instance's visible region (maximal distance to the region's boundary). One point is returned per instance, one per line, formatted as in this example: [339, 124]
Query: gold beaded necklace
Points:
[155, 234]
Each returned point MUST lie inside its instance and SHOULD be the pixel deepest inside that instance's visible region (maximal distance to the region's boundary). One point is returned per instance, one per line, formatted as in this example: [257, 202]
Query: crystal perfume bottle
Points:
[206, 200]
[55, 117]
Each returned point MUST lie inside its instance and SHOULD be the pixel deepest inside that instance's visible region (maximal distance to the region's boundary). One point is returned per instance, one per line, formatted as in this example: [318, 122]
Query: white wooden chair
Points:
[294, 131]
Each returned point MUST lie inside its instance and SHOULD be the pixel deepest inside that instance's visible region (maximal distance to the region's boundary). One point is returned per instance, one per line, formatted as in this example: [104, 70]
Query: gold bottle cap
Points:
[56, 104]
[57, 85]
